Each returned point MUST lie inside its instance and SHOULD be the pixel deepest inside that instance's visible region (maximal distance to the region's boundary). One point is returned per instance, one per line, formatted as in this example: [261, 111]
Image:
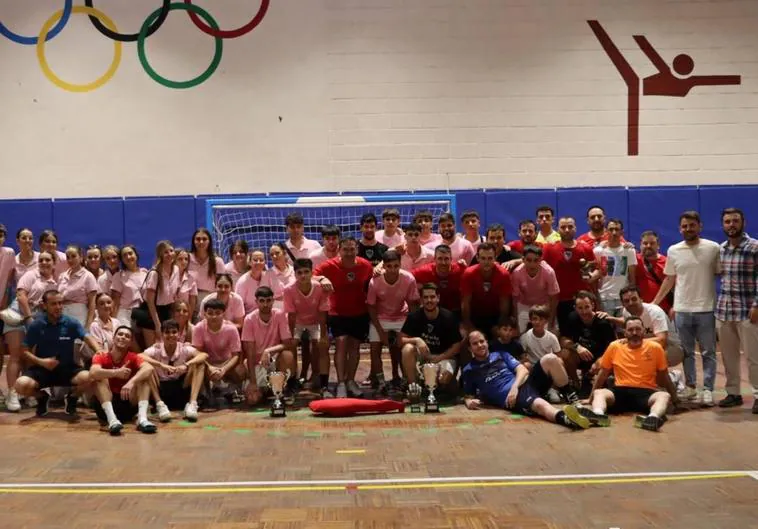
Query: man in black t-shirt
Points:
[587, 336]
[430, 335]
[503, 254]
[368, 247]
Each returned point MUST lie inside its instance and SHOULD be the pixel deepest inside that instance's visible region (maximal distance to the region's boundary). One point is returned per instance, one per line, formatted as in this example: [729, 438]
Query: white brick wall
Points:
[380, 94]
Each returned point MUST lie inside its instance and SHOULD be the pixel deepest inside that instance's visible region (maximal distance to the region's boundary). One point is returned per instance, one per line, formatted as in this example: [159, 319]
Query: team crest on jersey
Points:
[429, 328]
[486, 286]
[369, 254]
[567, 254]
[351, 276]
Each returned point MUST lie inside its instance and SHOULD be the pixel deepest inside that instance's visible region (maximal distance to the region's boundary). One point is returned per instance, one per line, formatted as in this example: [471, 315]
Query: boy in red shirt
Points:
[348, 316]
[122, 379]
[486, 291]
[446, 274]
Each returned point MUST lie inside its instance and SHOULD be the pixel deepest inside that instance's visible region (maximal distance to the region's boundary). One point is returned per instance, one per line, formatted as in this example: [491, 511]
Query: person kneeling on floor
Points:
[121, 379]
[640, 368]
[179, 371]
[498, 379]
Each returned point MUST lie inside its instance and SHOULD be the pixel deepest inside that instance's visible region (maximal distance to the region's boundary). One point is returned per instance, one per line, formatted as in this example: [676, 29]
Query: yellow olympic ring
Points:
[97, 83]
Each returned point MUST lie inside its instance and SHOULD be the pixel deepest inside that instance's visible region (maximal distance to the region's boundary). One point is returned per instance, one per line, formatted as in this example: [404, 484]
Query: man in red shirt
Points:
[596, 222]
[121, 379]
[650, 265]
[569, 258]
[486, 291]
[527, 232]
[348, 315]
[446, 274]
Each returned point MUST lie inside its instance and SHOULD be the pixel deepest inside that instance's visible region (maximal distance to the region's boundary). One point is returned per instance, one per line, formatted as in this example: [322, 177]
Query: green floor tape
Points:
[516, 416]
[209, 427]
[277, 433]
[312, 434]
[465, 426]
[493, 421]
[392, 432]
[243, 431]
[355, 434]
[186, 423]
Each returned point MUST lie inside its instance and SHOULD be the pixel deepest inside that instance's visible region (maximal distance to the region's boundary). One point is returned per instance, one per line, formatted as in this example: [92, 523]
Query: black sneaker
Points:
[648, 422]
[574, 419]
[147, 427]
[115, 428]
[571, 397]
[70, 402]
[731, 401]
[42, 403]
[597, 419]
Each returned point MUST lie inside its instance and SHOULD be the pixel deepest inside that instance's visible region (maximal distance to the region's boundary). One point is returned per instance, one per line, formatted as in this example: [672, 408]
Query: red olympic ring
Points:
[230, 33]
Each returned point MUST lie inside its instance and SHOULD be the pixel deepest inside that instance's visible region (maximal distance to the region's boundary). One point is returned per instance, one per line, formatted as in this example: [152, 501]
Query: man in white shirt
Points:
[692, 266]
[618, 265]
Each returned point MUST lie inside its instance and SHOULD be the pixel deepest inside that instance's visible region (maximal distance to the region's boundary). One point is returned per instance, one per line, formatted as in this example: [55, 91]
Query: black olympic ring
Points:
[133, 37]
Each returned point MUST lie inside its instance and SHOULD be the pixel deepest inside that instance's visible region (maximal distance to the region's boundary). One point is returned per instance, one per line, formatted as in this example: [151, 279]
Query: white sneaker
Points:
[190, 411]
[688, 394]
[164, 414]
[707, 398]
[12, 403]
[553, 397]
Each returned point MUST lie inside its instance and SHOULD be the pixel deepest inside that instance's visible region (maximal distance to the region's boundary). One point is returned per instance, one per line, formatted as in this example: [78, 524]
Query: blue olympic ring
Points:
[32, 41]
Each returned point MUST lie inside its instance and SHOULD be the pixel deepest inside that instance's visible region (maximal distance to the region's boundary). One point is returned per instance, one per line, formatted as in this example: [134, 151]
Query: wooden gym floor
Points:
[237, 469]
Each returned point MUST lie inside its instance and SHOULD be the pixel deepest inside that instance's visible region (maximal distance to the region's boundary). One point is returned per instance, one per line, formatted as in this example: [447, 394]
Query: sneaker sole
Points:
[148, 431]
[577, 418]
[117, 431]
[639, 422]
[595, 419]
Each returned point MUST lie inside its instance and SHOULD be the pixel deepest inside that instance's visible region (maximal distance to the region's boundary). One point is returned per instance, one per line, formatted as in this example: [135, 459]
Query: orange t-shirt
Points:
[635, 368]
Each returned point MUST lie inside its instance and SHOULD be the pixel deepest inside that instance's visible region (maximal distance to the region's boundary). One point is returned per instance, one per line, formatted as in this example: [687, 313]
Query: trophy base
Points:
[278, 411]
[416, 408]
[431, 407]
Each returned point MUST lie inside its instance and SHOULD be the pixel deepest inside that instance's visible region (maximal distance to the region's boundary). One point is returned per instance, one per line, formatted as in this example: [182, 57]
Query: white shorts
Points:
[313, 330]
[373, 334]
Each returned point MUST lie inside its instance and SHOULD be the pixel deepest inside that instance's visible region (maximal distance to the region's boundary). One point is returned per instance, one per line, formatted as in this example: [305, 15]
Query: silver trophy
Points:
[430, 372]
[414, 395]
[277, 381]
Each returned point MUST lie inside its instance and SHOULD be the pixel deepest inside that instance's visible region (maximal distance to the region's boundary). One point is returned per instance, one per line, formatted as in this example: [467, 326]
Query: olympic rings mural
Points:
[105, 25]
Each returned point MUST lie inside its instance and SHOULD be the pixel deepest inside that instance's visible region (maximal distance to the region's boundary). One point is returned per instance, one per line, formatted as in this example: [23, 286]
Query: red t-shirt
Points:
[486, 293]
[646, 282]
[449, 286]
[350, 285]
[565, 262]
[105, 360]
[518, 245]
[588, 238]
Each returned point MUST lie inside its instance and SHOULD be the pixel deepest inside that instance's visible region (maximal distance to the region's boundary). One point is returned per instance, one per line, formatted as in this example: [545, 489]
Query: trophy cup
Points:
[430, 372]
[277, 380]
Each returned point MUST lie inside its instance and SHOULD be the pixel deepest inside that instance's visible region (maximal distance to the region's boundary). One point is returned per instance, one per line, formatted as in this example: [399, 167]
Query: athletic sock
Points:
[142, 411]
[652, 414]
[109, 414]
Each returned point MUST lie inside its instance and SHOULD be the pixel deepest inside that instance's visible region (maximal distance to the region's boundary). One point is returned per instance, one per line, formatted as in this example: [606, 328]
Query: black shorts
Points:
[539, 380]
[59, 377]
[141, 315]
[353, 326]
[174, 394]
[484, 323]
[125, 411]
[631, 399]
[525, 398]
[562, 312]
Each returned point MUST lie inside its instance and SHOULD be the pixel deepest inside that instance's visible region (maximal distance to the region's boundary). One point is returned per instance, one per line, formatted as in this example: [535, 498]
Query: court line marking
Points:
[467, 482]
[355, 451]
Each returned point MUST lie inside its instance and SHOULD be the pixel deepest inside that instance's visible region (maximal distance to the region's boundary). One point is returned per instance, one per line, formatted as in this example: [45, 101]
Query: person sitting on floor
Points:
[498, 379]
[640, 368]
[122, 379]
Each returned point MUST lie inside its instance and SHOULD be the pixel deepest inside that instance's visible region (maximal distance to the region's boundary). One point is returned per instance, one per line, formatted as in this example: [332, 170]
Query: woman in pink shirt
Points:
[187, 283]
[204, 264]
[93, 262]
[250, 281]
[239, 260]
[235, 307]
[78, 287]
[112, 261]
[48, 242]
[126, 285]
[279, 276]
[7, 270]
[27, 258]
[159, 293]
[104, 324]
[182, 315]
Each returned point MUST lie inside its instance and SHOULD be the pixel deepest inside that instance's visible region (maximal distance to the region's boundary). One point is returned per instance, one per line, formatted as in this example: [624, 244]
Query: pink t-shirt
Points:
[169, 286]
[318, 257]
[35, 287]
[235, 307]
[129, 285]
[306, 247]
[22, 268]
[534, 290]
[187, 288]
[433, 240]
[306, 307]
[246, 287]
[183, 353]
[7, 268]
[103, 331]
[232, 271]
[221, 345]
[391, 301]
[104, 282]
[266, 334]
[408, 263]
[395, 240]
[200, 271]
[61, 264]
[460, 249]
[278, 280]
[76, 286]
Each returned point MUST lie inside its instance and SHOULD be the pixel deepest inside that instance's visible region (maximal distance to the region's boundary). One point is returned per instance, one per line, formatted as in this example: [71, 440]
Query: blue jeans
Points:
[700, 327]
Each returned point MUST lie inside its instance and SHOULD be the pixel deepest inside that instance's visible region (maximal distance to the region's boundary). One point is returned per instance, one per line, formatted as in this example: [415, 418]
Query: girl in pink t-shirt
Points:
[159, 293]
[126, 284]
[182, 315]
[26, 259]
[235, 307]
[239, 261]
[78, 287]
[250, 281]
[93, 262]
[204, 263]
[112, 262]
[48, 242]
[187, 283]
[104, 324]
[279, 276]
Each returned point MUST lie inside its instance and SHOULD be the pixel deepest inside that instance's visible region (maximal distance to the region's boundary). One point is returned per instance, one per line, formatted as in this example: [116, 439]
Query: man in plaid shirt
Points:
[737, 306]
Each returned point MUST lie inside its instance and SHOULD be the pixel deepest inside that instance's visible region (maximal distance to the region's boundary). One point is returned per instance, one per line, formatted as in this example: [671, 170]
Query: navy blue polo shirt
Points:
[54, 340]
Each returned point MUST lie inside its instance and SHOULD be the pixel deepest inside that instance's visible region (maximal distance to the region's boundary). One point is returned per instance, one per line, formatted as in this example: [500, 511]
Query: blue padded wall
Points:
[89, 221]
[658, 209]
[37, 215]
[473, 199]
[152, 219]
[575, 202]
[509, 207]
[713, 199]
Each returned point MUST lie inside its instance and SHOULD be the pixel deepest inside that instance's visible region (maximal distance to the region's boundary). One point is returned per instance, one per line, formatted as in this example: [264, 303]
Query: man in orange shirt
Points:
[640, 368]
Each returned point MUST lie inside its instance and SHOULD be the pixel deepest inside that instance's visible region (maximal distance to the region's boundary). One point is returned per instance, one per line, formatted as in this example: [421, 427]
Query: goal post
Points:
[260, 220]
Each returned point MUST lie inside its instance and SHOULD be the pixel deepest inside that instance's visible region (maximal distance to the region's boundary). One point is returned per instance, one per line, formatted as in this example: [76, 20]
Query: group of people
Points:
[540, 321]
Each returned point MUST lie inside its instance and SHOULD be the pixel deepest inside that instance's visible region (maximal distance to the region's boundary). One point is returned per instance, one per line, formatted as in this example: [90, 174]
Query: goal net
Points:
[260, 221]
